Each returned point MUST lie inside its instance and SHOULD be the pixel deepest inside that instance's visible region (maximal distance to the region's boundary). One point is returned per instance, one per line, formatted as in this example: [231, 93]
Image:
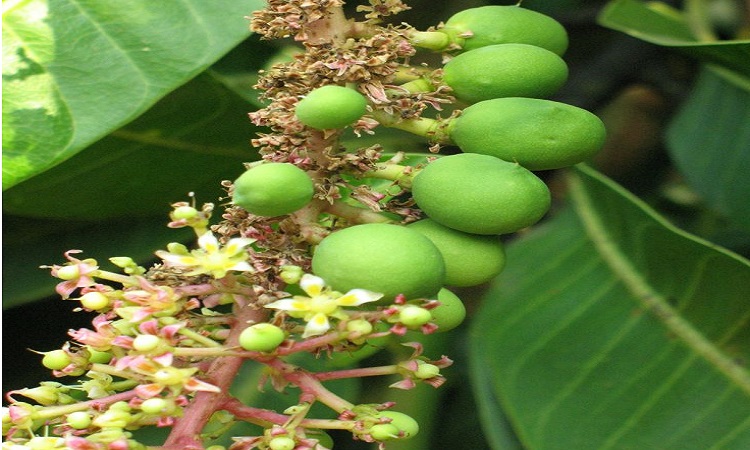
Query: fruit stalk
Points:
[222, 372]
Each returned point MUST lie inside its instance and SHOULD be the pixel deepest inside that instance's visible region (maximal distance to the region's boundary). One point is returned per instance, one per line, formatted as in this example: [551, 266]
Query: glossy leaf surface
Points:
[611, 329]
[712, 150]
[190, 141]
[73, 70]
[659, 24]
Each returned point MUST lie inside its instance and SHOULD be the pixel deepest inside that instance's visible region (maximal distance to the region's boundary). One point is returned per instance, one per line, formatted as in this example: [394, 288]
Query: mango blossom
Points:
[210, 257]
[321, 304]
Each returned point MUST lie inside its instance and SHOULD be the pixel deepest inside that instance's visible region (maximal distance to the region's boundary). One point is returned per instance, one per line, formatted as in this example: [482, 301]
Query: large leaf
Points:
[190, 141]
[73, 70]
[661, 26]
[712, 150]
[611, 329]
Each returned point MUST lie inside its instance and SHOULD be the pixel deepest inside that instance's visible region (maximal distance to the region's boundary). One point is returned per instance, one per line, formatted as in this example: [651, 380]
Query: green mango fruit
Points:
[450, 313]
[538, 134]
[505, 70]
[470, 259]
[384, 258]
[480, 194]
[330, 107]
[273, 189]
[488, 25]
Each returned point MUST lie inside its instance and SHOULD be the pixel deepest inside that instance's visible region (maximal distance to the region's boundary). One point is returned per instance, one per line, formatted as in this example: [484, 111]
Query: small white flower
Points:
[321, 304]
[210, 257]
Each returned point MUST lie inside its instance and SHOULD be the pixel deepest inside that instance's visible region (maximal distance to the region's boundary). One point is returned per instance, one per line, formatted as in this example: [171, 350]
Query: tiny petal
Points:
[317, 325]
[177, 248]
[208, 242]
[178, 260]
[149, 327]
[66, 288]
[148, 390]
[165, 359]
[356, 297]
[242, 266]
[289, 304]
[435, 382]
[404, 384]
[311, 284]
[194, 384]
[237, 245]
[79, 443]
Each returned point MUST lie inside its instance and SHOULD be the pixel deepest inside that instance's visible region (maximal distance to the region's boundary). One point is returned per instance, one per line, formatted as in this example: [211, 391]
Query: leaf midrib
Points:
[651, 300]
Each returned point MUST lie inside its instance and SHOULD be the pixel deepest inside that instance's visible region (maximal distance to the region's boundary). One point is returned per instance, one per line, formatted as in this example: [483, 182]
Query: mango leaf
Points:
[190, 141]
[661, 26]
[611, 329]
[712, 150]
[74, 70]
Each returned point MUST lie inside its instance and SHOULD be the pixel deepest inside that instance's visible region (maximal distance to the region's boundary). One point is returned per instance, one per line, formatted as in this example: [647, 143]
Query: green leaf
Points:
[74, 70]
[190, 141]
[712, 150]
[659, 25]
[611, 329]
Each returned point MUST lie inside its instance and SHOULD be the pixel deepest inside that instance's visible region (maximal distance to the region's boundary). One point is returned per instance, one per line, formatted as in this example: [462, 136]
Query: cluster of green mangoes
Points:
[506, 60]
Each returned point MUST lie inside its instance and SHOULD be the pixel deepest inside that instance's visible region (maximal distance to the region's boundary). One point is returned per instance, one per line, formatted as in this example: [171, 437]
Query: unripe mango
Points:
[384, 258]
[505, 70]
[330, 107]
[470, 259]
[538, 134]
[450, 313]
[480, 194]
[273, 189]
[487, 25]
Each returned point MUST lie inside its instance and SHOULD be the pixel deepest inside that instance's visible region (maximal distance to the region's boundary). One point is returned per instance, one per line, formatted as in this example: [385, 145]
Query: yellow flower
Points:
[210, 257]
[321, 304]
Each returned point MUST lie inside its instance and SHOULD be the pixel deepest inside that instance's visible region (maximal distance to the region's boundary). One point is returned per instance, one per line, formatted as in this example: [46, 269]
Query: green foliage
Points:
[718, 171]
[92, 187]
[73, 72]
[630, 333]
[659, 24]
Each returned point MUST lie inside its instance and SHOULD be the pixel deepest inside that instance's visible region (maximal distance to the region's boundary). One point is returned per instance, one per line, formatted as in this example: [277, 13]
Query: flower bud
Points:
[44, 443]
[94, 300]
[112, 418]
[184, 213]
[44, 395]
[79, 420]
[146, 342]
[426, 370]
[68, 272]
[56, 359]
[291, 274]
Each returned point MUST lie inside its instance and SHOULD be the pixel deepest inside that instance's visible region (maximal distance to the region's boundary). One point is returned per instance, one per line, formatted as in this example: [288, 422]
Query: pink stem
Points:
[312, 389]
[254, 415]
[357, 373]
[185, 434]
